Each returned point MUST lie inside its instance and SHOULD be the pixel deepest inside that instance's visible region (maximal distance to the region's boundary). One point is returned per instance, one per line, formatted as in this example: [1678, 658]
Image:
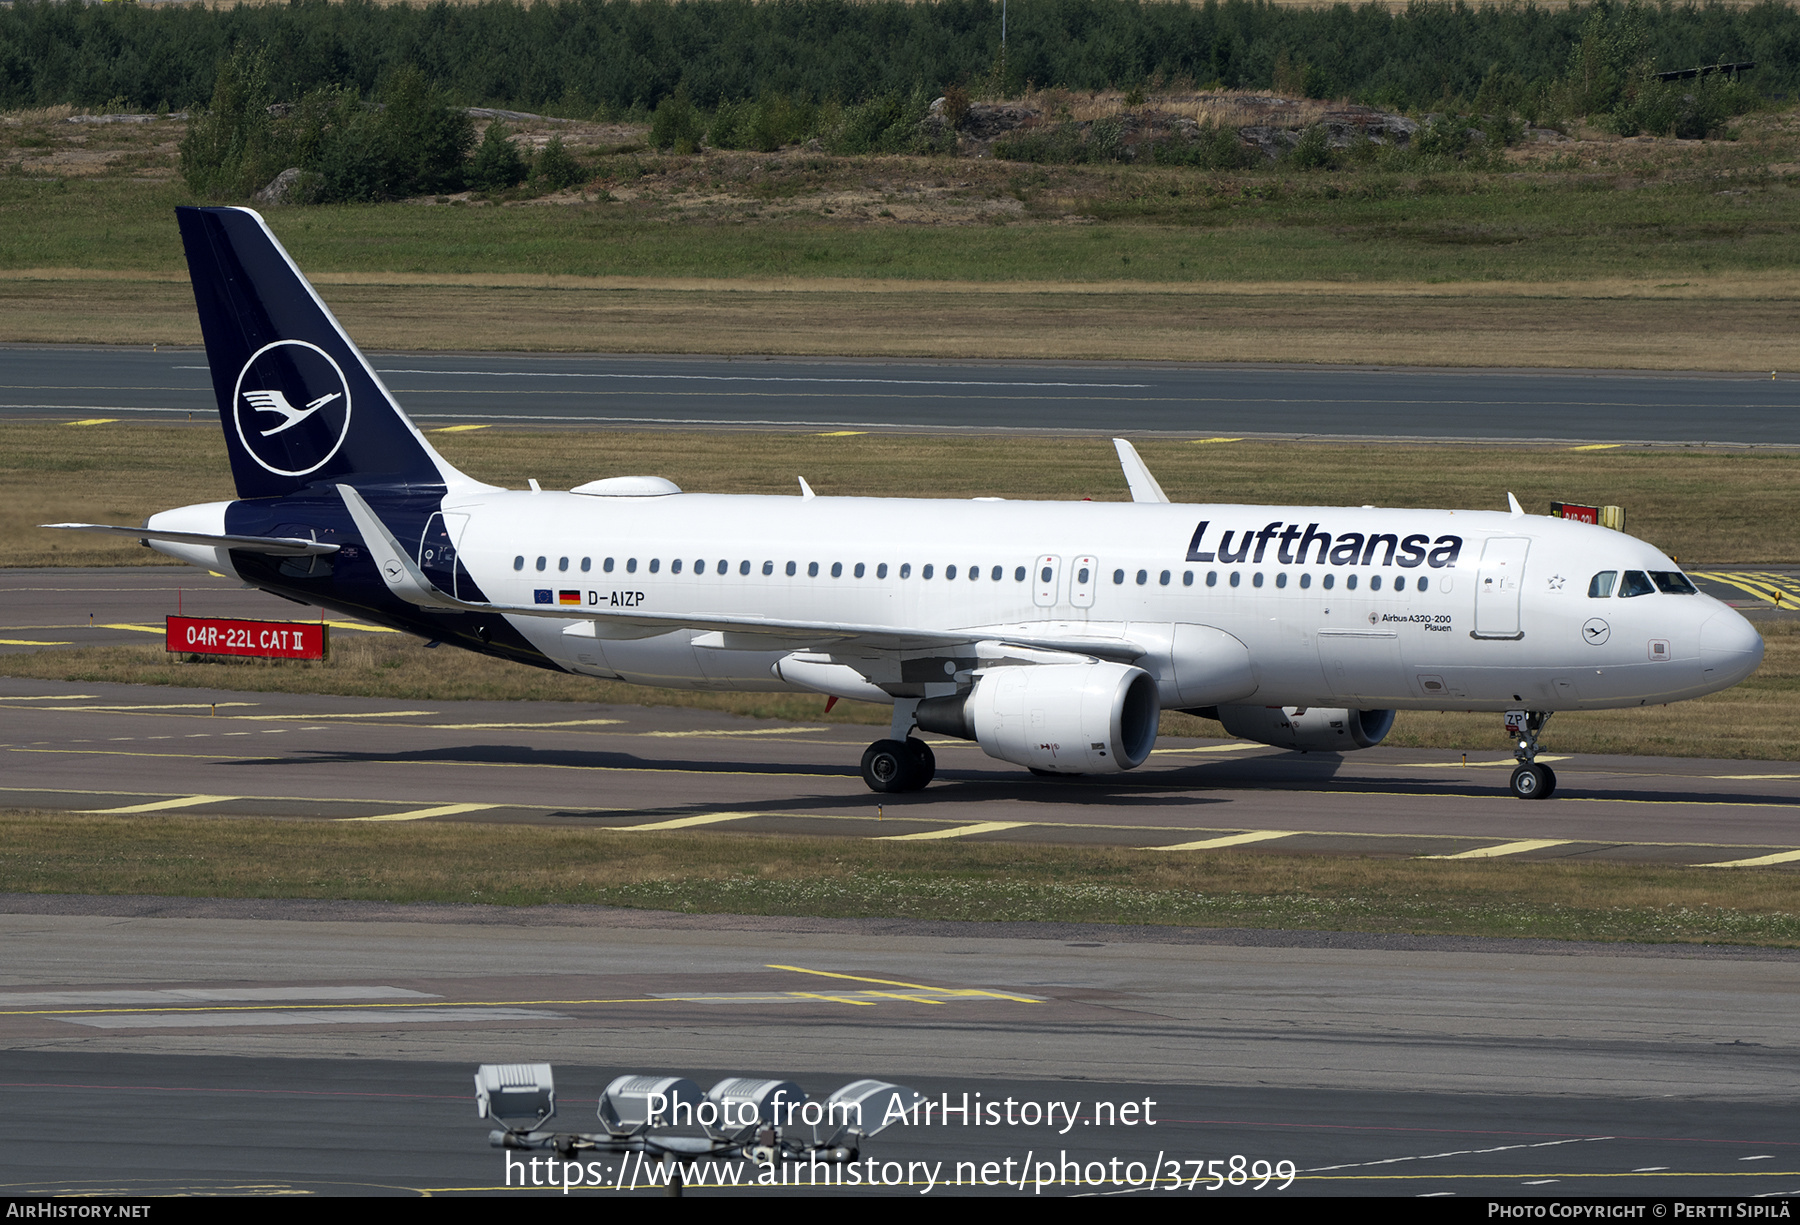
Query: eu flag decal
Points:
[542, 596]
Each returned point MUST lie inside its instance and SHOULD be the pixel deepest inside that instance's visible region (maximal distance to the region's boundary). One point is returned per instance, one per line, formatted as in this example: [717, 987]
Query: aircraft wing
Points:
[404, 578]
[274, 546]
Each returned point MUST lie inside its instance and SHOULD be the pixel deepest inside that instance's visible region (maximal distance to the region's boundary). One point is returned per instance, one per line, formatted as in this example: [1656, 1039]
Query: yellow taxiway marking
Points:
[142, 629]
[458, 727]
[370, 714]
[95, 421]
[1207, 844]
[1597, 446]
[888, 982]
[747, 731]
[1768, 587]
[186, 801]
[1505, 848]
[1201, 441]
[960, 831]
[1744, 776]
[841, 433]
[30, 642]
[1204, 748]
[711, 818]
[1759, 861]
[419, 814]
[458, 429]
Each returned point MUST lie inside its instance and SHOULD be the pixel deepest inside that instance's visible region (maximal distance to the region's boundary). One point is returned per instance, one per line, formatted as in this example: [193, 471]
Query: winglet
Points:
[1137, 474]
[1512, 504]
[806, 490]
[403, 578]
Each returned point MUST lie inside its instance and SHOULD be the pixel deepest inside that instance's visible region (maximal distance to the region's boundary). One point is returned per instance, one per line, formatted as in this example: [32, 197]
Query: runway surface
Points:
[295, 1048]
[703, 392]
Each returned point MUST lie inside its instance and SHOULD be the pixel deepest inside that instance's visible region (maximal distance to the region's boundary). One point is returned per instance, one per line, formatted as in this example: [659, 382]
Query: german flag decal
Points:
[568, 597]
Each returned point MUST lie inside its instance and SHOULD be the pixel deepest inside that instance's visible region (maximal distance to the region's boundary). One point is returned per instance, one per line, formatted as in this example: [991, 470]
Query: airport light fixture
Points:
[762, 1120]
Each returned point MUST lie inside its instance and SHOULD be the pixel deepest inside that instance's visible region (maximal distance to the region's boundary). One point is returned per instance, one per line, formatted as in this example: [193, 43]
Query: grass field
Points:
[1585, 252]
[737, 874]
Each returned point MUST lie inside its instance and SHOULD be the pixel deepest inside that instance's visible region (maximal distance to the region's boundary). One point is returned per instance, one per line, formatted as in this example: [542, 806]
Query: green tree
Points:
[230, 148]
[496, 164]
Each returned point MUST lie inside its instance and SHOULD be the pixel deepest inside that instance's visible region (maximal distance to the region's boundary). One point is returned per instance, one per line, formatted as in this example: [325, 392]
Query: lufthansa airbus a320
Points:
[1051, 633]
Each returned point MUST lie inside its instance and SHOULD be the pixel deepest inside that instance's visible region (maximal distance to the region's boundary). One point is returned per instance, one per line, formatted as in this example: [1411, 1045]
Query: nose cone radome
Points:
[1730, 649]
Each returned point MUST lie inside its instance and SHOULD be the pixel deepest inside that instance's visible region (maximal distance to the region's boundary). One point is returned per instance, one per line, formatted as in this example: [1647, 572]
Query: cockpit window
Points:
[1636, 583]
[1600, 587]
[1673, 582]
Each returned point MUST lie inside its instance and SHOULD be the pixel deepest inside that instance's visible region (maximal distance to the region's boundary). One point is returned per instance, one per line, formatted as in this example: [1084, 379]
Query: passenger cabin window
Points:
[562, 563]
[837, 569]
[631, 565]
[1636, 583]
[540, 563]
[1673, 582]
[1600, 587]
[949, 572]
[881, 570]
[587, 564]
[926, 572]
[790, 569]
[655, 564]
[1019, 575]
[905, 569]
[743, 567]
[858, 572]
[607, 565]
[519, 563]
[675, 566]
[812, 569]
[998, 574]
[768, 567]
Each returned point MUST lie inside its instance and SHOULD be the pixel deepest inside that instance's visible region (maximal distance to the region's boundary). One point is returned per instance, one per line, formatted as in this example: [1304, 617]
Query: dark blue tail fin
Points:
[299, 402]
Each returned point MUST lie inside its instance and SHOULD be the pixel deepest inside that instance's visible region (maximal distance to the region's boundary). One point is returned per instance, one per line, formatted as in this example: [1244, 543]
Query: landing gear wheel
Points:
[888, 767]
[924, 764]
[1533, 782]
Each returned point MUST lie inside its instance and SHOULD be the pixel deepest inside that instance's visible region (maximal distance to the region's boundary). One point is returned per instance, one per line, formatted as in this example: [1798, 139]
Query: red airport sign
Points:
[1574, 510]
[260, 639]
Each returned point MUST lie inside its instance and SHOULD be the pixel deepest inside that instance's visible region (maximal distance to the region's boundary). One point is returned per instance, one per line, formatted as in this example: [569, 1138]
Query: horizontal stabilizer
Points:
[273, 546]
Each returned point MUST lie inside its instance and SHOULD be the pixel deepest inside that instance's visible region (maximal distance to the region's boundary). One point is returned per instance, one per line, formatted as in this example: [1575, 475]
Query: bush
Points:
[676, 125]
[496, 165]
[556, 167]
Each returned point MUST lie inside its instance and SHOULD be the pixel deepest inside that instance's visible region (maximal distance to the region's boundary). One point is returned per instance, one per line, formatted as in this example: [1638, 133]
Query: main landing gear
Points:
[891, 766]
[1530, 781]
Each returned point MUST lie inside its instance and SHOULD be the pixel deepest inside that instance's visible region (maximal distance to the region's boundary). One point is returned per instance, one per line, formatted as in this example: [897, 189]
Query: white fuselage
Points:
[1500, 619]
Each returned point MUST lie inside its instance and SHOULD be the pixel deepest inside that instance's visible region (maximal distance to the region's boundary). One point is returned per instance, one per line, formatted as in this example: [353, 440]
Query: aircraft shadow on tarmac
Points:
[1277, 772]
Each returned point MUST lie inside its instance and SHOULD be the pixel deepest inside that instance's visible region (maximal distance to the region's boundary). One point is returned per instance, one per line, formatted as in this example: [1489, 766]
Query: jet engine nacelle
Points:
[1310, 729]
[1077, 718]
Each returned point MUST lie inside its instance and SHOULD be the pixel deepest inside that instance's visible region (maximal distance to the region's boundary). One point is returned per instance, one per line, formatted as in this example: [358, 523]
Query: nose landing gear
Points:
[1530, 781]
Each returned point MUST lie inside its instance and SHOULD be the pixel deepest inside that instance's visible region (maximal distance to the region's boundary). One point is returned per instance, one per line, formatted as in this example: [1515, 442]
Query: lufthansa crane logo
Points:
[292, 407]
